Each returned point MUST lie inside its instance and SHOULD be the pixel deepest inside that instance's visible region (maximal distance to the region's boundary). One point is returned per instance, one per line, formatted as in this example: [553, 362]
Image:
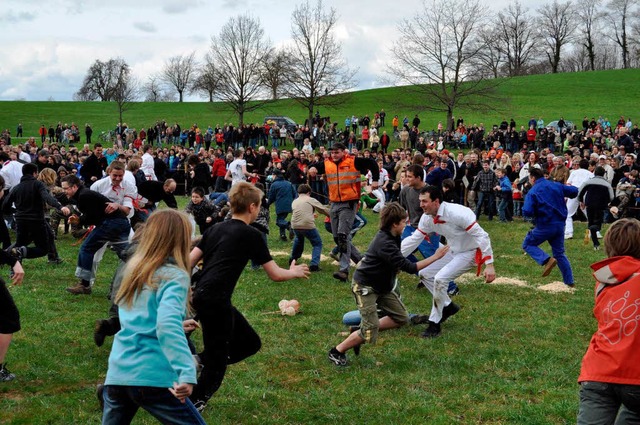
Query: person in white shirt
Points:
[11, 171]
[379, 192]
[121, 190]
[147, 163]
[576, 178]
[237, 170]
[470, 247]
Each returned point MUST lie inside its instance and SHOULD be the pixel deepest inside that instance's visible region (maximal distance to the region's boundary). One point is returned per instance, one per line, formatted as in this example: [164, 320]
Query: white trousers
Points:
[437, 275]
[378, 193]
[572, 208]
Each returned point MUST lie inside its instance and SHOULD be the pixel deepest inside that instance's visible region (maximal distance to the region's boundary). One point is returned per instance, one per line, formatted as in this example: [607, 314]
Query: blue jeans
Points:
[427, 247]
[554, 234]
[491, 201]
[219, 198]
[122, 402]
[282, 223]
[111, 230]
[298, 244]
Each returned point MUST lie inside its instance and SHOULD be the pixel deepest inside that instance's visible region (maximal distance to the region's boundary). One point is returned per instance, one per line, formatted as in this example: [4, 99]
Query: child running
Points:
[226, 248]
[150, 365]
[374, 280]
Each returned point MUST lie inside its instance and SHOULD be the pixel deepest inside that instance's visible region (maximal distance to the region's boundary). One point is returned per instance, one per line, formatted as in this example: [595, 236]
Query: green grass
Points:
[572, 95]
[511, 356]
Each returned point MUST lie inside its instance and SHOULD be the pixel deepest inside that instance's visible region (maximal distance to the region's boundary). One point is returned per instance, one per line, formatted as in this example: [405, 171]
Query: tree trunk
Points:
[210, 97]
[450, 122]
[180, 94]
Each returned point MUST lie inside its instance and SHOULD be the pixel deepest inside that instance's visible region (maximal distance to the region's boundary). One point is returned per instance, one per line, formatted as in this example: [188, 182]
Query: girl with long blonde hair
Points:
[150, 365]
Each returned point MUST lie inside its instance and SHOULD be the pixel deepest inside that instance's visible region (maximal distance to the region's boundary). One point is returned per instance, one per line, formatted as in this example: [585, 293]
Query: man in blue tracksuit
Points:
[545, 204]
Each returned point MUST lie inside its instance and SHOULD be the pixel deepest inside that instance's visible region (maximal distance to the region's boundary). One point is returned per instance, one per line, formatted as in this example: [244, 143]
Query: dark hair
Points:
[448, 184]
[72, 180]
[198, 190]
[416, 170]
[599, 171]
[434, 192]
[391, 214]
[584, 163]
[536, 173]
[97, 145]
[29, 169]
[304, 189]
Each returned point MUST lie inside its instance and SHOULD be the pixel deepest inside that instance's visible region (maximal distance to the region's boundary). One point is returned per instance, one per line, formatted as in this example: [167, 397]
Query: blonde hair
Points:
[48, 177]
[242, 195]
[622, 238]
[167, 233]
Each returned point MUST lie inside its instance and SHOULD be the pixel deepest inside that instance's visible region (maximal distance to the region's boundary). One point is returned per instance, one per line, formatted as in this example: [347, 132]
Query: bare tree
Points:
[490, 59]
[620, 11]
[102, 79]
[556, 29]
[437, 45]
[207, 79]
[316, 67]
[517, 40]
[125, 93]
[153, 90]
[588, 12]
[178, 72]
[273, 74]
[239, 52]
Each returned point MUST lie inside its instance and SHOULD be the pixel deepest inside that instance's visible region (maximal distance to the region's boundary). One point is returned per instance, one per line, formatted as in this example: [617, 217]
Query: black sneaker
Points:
[99, 332]
[283, 237]
[5, 375]
[18, 252]
[449, 311]
[337, 358]
[419, 319]
[200, 405]
[432, 331]
[342, 276]
[314, 268]
[100, 396]
[56, 261]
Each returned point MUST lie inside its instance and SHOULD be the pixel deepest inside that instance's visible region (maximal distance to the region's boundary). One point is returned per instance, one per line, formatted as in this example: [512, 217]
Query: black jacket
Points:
[380, 264]
[29, 197]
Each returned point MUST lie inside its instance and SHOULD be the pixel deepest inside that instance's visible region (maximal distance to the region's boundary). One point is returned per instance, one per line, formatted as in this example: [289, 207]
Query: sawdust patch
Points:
[509, 281]
[304, 256]
[556, 288]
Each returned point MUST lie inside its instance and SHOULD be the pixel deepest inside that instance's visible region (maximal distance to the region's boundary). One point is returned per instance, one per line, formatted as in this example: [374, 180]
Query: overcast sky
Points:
[47, 45]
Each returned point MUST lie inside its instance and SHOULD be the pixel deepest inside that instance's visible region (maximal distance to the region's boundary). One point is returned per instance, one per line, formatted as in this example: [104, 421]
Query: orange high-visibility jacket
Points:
[343, 180]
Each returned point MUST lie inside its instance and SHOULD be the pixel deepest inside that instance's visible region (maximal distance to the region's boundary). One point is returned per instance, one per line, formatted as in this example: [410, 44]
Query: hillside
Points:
[572, 95]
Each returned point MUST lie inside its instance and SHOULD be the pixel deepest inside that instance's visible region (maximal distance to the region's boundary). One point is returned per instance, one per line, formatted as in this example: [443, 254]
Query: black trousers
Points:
[36, 231]
[228, 338]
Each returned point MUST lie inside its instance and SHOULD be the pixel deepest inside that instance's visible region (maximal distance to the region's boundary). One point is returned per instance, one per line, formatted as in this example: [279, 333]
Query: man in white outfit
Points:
[470, 247]
[576, 178]
[147, 165]
[382, 184]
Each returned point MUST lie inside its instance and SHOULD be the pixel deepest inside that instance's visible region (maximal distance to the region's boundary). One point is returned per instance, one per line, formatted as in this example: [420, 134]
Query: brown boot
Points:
[79, 289]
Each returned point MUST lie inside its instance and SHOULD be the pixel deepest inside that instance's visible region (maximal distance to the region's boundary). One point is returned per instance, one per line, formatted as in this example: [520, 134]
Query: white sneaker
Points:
[568, 237]
[599, 235]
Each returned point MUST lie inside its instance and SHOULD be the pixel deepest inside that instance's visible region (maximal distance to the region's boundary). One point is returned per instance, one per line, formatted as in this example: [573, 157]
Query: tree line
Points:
[451, 53]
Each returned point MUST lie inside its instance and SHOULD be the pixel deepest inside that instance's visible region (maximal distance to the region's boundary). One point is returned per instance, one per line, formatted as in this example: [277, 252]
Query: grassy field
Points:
[511, 356]
[572, 95]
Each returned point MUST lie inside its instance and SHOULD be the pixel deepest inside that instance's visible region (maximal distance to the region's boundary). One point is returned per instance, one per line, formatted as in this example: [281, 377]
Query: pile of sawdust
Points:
[304, 256]
[509, 281]
[556, 288]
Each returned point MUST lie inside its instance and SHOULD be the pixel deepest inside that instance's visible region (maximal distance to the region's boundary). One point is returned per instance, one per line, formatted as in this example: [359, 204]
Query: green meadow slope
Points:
[572, 95]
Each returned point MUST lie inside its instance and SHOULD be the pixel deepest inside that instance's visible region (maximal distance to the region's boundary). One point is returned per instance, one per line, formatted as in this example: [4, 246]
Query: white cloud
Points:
[145, 26]
[13, 17]
[51, 43]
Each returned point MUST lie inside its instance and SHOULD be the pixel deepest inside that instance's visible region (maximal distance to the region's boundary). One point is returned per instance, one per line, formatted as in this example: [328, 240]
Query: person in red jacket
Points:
[218, 171]
[610, 373]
